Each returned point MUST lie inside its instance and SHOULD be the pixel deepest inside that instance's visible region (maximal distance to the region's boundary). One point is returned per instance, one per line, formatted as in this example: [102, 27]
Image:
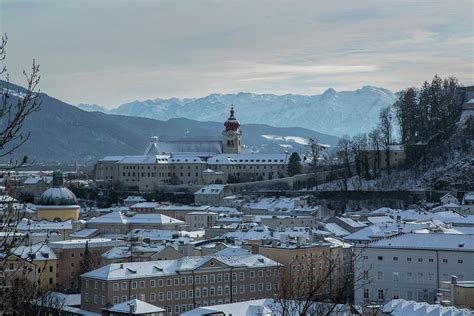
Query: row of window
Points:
[409, 259]
[423, 296]
[198, 279]
[409, 276]
[189, 294]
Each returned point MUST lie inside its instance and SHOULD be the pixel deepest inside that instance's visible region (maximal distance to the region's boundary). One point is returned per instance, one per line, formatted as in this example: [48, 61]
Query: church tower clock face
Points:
[232, 134]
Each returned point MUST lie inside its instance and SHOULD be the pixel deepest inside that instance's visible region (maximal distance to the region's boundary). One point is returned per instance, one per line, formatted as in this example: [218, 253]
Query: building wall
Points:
[199, 221]
[191, 289]
[69, 263]
[397, 158]
[297, 260]
[188, 173]
[209, 199]
[51, 214]
[463, 297]
[411, 274]
[48, 272]
[301, 221]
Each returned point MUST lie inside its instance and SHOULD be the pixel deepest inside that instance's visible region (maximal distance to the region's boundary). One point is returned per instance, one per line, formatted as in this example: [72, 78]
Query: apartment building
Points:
[183, 284]
[69, 254]
[201, 220]
[411, 266]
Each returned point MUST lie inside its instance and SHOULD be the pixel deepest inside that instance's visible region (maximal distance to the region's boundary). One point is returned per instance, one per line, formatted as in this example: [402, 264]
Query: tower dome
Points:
[58, 195]
[232, 124]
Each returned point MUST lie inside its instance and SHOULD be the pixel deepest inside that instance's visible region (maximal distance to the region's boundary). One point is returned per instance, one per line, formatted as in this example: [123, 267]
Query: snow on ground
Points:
[296, 139]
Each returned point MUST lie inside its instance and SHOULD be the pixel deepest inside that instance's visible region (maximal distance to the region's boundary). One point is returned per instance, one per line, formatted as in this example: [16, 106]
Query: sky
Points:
[112, 52]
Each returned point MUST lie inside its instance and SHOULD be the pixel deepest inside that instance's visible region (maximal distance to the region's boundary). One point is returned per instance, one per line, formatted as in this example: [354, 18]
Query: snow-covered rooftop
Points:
[81, 243]
[434, 241]
[145, 205]
[250, 159]
[27, 225]
[35, 180]
[137, 307]
[39, 251]
[118, 271]
[336, 229]
[121, 218]
[135, 198]
[400, 307]
[211, 189]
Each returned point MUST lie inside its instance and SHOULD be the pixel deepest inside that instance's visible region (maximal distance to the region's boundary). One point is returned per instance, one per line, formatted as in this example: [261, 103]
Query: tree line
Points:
[431, 110]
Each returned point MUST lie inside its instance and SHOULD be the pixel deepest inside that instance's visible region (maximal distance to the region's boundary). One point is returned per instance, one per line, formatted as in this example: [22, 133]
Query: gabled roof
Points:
[211, 189]
[122, 218]
[137, 307]
[400, 307]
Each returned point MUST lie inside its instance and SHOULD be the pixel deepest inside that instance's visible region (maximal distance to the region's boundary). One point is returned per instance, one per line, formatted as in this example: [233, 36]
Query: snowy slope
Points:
[336, 113]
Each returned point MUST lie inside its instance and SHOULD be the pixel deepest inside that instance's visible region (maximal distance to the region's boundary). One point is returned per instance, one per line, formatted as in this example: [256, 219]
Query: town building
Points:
[45, 262]
[15, 272]
[191, 162]
[448, 198]
[457, 293]
[411, 266]
[211, 194]
[70, 255]
[201, 220]
[36, 185]
[326, 263]
[394, 156]
[180, 285]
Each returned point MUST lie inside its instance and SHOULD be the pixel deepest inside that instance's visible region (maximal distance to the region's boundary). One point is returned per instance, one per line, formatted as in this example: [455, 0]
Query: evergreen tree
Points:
[294, 165]
[386, 127]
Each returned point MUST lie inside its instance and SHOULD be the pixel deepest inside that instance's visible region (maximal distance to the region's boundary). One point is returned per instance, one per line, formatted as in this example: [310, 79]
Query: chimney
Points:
[454, 280]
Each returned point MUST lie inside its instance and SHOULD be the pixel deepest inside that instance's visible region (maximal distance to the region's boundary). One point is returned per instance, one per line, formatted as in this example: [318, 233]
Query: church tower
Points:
[232, 134]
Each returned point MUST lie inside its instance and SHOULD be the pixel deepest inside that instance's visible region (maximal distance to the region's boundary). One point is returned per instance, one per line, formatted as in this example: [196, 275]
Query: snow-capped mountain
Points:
[92, 108]
[336, 113]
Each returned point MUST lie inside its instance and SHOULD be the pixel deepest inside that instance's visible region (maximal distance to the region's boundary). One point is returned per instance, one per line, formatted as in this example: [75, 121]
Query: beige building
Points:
[201, 220]
[70, 253]
[457, 293]
[326, 263]
[181, 285]
[396, 157]
[190, 163]
[14, 272]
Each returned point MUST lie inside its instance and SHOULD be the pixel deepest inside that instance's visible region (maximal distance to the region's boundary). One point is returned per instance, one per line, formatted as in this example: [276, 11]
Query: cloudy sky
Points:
[112, 52]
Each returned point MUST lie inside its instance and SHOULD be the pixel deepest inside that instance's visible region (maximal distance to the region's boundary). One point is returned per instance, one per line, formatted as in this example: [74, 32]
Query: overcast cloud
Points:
[112, 52]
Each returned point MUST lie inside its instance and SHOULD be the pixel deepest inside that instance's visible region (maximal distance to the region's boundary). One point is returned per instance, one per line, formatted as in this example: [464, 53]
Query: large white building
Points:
[411, 266]
[191, 162]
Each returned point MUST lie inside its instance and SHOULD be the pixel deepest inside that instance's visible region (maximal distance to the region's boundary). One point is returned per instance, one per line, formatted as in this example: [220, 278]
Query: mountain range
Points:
[62, 133]
[335, 113]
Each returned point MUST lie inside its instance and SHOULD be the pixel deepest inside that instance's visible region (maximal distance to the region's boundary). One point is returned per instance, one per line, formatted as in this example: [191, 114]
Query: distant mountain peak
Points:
[328, 94]
[337, 113]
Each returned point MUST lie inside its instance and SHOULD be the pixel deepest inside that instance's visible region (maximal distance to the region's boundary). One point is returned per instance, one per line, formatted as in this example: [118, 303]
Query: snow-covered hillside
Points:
[336, 113]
